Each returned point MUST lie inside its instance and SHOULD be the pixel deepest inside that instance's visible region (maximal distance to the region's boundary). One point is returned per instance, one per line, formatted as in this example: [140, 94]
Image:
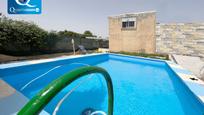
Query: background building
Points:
[133, 32]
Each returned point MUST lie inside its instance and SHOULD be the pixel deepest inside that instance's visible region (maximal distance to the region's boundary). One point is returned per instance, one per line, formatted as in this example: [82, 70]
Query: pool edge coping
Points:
[185, 77]
[40, 61]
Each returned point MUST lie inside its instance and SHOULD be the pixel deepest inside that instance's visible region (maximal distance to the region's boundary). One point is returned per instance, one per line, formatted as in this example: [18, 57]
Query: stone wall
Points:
[66, 45]
[140, 38]
[180, 38]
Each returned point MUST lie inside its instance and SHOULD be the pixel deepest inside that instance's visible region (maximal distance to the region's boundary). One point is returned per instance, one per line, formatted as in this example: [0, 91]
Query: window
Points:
[128, 22]
[124, 24]
[131, 24]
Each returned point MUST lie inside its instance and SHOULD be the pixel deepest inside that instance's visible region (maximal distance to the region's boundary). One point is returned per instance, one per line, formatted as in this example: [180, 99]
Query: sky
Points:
[81, 15]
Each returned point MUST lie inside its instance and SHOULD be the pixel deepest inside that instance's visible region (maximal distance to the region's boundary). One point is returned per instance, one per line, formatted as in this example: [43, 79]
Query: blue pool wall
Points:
[139, 60]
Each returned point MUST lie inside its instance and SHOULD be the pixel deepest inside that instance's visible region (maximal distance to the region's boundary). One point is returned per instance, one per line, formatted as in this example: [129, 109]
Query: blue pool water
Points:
[141, 86]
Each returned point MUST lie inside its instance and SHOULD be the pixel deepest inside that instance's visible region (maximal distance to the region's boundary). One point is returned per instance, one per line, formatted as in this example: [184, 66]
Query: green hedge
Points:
[25, 38]
[20, 36]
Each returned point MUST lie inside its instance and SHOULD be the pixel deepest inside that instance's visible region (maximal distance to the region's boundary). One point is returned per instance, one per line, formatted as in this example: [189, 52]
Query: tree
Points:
[71, 34]
[51, 40]
[88, 33]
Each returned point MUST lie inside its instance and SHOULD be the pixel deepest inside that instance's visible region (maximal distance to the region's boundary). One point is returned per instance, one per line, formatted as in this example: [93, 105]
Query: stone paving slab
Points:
[193, 64]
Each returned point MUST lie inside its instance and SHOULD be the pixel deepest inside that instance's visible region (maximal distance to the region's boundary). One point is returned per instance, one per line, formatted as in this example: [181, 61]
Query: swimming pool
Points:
[141, 86]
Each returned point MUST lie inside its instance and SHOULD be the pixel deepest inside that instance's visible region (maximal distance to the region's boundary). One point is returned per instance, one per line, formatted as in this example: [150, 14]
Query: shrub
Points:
[156, 56]
[20, 37]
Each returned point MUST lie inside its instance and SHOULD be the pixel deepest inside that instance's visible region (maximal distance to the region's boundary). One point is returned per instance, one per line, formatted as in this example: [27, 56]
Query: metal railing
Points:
[38, 102]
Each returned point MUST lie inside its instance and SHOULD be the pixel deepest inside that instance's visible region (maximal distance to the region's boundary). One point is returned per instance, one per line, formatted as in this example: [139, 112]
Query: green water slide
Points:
[38, 102]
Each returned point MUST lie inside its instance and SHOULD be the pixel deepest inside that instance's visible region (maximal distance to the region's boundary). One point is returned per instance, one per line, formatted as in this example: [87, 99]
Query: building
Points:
[134, 32]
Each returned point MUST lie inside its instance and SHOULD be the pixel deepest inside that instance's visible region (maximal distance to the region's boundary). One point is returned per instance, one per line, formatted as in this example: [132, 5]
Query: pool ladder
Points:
[38, 102]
